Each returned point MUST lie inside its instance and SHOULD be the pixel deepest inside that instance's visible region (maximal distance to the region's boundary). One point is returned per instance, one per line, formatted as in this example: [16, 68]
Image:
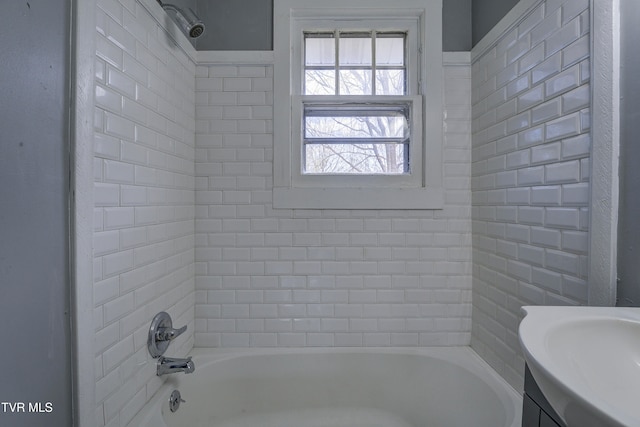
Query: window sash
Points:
[371, 130]
[409, 108]
[373, 66]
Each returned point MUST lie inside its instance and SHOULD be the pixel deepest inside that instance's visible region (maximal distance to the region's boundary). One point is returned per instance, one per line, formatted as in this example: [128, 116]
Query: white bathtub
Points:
[434, 387]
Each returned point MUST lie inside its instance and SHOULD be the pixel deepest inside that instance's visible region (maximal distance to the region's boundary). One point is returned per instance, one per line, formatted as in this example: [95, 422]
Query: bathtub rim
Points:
[462, 356]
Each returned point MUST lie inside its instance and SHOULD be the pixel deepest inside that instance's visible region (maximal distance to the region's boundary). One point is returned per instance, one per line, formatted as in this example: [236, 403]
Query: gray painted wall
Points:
[486, 14]
[236, 25]
[465, 22]
[248, 25]
[456, 25]
[629, 215]
[34, 274]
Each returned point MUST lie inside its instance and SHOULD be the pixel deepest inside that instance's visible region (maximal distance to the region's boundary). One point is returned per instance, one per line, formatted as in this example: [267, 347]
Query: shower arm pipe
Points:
[169, 6]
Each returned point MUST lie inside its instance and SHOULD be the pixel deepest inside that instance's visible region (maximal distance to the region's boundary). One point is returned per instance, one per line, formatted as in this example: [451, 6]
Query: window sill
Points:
[358, 198]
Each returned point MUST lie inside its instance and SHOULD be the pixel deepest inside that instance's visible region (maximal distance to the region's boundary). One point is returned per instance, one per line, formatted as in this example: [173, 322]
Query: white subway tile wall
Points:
[267, 278]
[184, 221]
[530, 176]
[144, 202]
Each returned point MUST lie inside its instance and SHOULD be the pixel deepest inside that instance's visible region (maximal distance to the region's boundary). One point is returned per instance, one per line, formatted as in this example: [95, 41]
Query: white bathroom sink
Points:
[586, 361]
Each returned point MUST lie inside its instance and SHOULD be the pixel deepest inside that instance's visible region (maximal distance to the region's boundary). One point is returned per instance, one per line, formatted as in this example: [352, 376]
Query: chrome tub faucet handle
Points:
[161, 333]
[169, 334]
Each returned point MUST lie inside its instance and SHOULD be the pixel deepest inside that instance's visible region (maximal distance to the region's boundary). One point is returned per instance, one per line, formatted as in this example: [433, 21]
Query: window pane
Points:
[360, 126]
[390, 51]
[355, 82]
[390, 82]
[320, 51]
[364, 159]
[320, 82]
[355, 51]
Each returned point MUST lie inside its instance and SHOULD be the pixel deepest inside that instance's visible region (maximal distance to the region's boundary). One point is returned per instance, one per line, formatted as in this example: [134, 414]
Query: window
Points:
[350, 87]
[351, 138]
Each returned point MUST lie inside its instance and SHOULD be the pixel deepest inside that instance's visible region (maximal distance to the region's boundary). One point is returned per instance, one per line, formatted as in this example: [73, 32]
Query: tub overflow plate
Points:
[174, 400]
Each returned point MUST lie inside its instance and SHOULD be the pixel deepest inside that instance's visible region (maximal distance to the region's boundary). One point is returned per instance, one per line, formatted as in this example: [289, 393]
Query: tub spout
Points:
[170, 365]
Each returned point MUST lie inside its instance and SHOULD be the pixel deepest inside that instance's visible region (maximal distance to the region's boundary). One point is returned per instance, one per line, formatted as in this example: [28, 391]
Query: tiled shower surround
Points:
[144, 202]
[530, 179]
[184, 221]
[268, 277]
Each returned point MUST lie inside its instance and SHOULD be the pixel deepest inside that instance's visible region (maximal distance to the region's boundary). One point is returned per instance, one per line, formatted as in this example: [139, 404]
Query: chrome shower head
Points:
[186, 19]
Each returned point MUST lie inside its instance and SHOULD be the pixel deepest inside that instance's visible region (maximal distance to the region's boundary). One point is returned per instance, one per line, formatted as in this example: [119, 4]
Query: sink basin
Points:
[586, 361]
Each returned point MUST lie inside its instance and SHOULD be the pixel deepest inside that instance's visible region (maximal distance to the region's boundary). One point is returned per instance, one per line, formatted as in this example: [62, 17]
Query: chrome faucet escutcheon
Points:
[161, 333]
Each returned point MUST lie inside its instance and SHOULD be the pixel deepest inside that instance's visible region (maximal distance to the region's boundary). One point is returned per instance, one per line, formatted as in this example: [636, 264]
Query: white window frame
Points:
[422, 188]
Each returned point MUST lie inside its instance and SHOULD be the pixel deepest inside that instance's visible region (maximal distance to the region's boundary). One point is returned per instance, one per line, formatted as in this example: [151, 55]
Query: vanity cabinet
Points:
[536, 410]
